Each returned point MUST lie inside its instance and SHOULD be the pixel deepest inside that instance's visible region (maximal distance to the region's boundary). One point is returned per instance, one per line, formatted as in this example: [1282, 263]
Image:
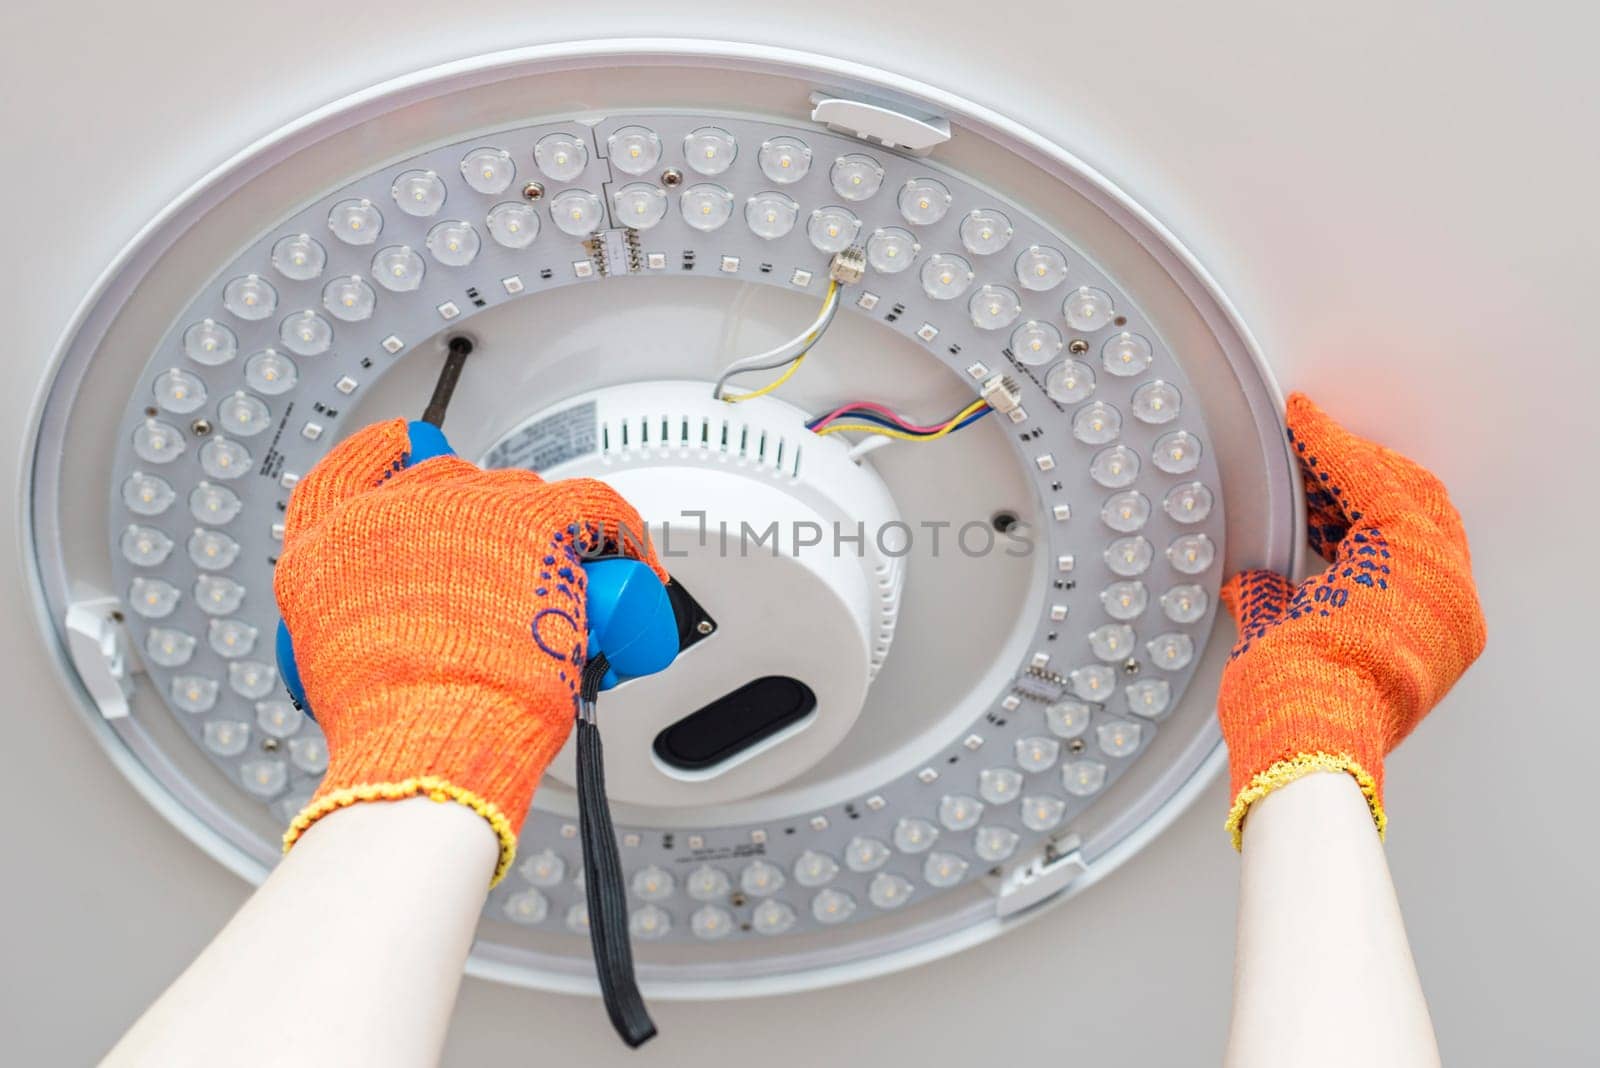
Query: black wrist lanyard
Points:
[603, 886]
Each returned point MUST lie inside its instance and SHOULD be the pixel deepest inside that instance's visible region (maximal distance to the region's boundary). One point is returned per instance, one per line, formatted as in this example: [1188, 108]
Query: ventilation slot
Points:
[749, 444]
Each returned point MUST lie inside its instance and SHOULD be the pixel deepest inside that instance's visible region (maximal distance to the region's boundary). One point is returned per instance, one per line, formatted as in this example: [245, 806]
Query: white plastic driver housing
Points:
[793, 548]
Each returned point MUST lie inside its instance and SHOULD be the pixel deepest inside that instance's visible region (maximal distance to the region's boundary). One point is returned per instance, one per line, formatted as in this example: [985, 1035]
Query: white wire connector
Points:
[1001, 393]
[848, 266]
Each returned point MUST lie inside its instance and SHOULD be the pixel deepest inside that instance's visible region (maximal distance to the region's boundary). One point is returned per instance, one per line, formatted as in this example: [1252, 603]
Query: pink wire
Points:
[887, 413]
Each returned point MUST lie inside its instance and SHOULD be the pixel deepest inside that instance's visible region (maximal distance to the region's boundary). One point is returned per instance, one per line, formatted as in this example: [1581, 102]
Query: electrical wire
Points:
[863, 410]
[886, 416]
[881, 421]
[793, 350]
[965, 417]
[734, 398]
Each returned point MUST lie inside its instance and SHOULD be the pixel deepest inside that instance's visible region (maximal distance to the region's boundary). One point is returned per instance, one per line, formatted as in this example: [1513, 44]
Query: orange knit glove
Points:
[437, 614]
[1333, 673]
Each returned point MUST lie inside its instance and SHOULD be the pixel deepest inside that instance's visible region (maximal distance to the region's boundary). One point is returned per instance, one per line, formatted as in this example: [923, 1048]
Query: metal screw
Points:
[1078, 346]
[671, 177]
[1130, 666]
[1076, 745]
[705, 626]
[736, 899]
[200, 427]
[532, 191]
[269, 744]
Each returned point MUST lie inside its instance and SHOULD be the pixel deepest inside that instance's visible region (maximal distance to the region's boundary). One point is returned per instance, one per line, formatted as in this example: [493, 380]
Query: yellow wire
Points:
[735, 398]
[867, 428]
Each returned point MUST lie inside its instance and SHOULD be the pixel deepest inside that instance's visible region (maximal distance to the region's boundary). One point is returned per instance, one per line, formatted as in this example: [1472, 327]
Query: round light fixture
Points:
[983, 665]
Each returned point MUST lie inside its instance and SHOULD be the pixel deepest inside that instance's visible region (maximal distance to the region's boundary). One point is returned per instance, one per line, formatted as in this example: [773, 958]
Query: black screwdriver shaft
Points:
[460, 348]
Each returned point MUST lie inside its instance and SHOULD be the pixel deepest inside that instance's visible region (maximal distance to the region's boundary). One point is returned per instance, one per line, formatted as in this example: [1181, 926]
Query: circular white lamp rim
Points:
[128, 747]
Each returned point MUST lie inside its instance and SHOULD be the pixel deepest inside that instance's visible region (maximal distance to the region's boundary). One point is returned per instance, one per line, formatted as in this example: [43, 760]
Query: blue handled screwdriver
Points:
[635, 629]
[633, 622]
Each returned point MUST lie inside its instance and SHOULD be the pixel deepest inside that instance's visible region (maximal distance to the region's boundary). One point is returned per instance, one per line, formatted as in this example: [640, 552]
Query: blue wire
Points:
[874, 417]
[973, 418]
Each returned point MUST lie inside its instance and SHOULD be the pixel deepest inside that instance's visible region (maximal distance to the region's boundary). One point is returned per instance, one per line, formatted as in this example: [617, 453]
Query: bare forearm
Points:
[1323, 973]
[350, 954]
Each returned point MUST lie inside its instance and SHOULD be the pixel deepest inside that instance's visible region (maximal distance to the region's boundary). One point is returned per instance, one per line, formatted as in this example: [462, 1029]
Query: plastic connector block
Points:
[1040, 685]
[1002, 393]
[615, 252]
[848, 266]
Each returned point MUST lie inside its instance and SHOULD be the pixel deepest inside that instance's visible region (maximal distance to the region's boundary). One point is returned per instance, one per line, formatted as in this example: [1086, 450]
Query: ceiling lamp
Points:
[971, 675]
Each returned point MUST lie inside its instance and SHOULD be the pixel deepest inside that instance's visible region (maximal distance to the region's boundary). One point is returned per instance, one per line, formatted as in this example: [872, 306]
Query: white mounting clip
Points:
[1042, 876]
[880, 122]
[98, 645]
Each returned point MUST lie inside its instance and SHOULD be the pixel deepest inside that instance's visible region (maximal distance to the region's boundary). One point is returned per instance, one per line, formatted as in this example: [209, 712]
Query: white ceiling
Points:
[1401, 204]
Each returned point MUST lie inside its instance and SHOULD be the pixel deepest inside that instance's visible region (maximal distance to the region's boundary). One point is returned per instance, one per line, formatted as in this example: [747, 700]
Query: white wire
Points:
[868, 444]
[785, 353]
[788, 351]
